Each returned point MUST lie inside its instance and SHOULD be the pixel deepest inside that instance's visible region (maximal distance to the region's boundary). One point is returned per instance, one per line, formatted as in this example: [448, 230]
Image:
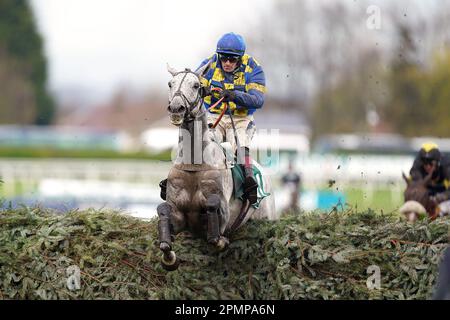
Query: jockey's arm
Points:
[254, 98]
[446, 164]
[415, 172]
[445, 195]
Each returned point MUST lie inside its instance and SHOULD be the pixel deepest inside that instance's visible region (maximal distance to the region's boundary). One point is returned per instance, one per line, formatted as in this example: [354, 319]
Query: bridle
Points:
[192, 106]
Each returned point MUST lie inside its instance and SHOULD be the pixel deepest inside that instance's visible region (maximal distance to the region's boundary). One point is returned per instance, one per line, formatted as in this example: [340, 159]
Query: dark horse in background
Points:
[417, 200]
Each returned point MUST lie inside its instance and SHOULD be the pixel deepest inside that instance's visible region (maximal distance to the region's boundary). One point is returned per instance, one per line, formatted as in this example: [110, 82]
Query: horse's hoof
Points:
[171, 263]
[222, 244]
[164, 247]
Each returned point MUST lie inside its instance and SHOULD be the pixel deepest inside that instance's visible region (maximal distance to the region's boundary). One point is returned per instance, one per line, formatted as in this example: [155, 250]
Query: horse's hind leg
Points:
[165, 230]
[213, 233]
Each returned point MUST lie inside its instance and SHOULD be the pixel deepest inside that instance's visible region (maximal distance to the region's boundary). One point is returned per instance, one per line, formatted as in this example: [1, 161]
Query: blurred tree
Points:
[321, 58]
[346, 106]
[309, 46]
[409, 98]
[17, 98]
[436, 94]
[23, 67]
[405, 110]
[419, 97]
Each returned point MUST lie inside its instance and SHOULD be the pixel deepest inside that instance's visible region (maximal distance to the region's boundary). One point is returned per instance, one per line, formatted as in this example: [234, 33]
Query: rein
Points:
[215, 105]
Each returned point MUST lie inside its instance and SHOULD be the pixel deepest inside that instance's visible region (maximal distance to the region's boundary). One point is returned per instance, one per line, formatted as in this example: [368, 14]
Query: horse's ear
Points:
[202, 70]
[405, 178]
[171, 70]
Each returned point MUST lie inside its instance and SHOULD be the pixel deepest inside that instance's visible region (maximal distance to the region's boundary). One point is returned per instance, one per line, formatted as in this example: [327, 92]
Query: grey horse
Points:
[200, 183]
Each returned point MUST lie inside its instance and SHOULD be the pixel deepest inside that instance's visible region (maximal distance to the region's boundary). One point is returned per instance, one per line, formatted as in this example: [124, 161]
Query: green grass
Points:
[17, 189]
[25, 152]
[378, 199]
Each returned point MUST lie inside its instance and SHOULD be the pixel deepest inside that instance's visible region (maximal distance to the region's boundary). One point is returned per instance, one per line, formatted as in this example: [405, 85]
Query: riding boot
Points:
[250, 185]
[163, 186]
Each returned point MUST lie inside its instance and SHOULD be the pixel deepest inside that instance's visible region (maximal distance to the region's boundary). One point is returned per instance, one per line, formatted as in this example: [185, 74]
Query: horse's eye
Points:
[170, 84]
[196, 85]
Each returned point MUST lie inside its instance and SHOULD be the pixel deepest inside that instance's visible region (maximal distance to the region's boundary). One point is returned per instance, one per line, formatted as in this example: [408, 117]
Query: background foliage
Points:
[23, 67]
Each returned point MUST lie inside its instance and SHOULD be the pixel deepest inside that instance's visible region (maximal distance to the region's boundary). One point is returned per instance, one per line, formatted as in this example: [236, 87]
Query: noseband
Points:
[188, 116]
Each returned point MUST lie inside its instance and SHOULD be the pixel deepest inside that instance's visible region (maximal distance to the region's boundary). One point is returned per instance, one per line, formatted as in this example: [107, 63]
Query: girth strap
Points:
[240, 218]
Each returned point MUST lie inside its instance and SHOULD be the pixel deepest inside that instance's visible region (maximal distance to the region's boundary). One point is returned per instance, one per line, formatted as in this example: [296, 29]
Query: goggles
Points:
[429, 161]
[232, 59]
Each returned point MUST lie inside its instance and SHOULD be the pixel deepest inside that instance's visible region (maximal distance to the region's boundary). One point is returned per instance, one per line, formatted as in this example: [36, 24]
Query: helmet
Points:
[232, 44]
[430, 152]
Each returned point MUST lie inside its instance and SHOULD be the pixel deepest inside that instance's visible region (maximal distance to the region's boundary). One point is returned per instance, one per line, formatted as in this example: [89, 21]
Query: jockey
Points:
[242, 81]
[430, 160]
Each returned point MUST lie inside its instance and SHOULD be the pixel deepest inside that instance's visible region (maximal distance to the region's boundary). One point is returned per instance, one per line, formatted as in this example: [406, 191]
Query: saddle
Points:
[239, 176]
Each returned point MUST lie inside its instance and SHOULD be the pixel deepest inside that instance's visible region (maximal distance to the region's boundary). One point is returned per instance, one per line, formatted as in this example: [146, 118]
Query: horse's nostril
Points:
[176, 109]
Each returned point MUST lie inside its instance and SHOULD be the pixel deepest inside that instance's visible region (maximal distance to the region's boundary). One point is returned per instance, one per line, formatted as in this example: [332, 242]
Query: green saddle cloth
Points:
[238, 179]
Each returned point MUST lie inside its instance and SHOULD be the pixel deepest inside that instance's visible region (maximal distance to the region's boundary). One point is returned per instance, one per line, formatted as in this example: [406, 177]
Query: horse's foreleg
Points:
[213, 233]
[212, 211]
[169, 259]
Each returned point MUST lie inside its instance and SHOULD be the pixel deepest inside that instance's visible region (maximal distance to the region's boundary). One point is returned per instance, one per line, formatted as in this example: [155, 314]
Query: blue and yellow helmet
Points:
[430, 152]
[231, 44]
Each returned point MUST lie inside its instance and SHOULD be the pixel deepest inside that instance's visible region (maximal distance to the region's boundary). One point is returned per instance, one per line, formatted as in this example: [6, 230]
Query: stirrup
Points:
[163, 186]
[250, 189]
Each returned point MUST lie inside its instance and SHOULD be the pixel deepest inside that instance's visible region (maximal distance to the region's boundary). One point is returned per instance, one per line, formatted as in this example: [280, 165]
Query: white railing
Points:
[32, 171]
[316, 170]
[354, 169]
[136, 181]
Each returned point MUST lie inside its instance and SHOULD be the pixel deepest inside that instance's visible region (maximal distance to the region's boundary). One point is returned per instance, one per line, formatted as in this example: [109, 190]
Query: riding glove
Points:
[228, 95]
[206, 91]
